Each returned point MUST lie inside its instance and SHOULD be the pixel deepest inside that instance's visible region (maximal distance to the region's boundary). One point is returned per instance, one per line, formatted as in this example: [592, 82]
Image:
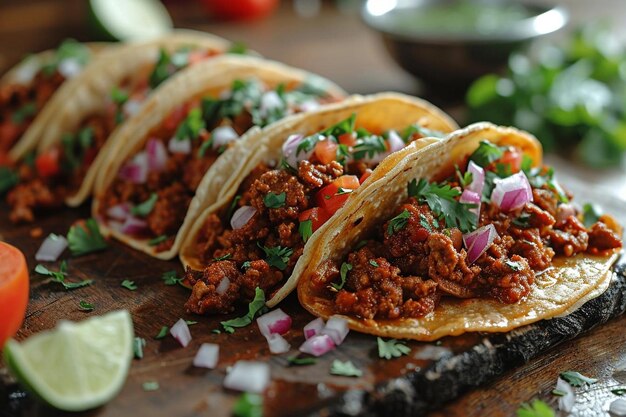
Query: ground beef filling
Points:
[404, 275]
[34, 192]
[14, 98]
[248, 266]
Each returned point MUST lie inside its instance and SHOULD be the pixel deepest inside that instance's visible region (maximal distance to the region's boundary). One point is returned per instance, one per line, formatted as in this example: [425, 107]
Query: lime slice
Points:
[76, 366]
[130, 19]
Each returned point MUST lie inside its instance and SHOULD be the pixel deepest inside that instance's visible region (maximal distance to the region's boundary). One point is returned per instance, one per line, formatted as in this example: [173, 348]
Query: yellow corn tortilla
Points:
[557, 290]
[208, 78]
[377, 113]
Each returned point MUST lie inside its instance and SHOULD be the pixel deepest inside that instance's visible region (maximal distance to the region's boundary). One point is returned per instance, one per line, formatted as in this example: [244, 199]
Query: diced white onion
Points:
[207, 356]
[179, 146]
[290, 150]
[479, 241]
[51, 248]
[242, 216]
[69, 67]
[395, 142]
[278, 344]
[132, 107]
[27, 71]
[223, 286]
[180, 331]
[223, 135]
[119, 211]
[512, 192]
[337, 328]
[313, 328]
[248, 376]
[318, 345]
[270, 101]
[276, 321]
[309, 105]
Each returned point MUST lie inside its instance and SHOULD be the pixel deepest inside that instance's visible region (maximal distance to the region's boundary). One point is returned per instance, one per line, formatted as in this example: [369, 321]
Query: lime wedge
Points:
[129, 19]
[76, 366]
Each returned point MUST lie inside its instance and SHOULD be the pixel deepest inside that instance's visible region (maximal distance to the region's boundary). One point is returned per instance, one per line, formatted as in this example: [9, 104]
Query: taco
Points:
[26, 88]
[73, 142]
[153, 183]
[471, 234]
[300, 173]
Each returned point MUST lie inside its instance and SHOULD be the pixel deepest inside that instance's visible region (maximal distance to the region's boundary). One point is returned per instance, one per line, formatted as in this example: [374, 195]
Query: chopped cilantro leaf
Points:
[85, 306]
[515, 266]
[192, 125]
[61, 275]
[464, 179]
[344, 126]
[157, 240]
[223, 257]
[374, 263]
[138, 344]
[343, 273]
[486, 153]
[619, 391]
[297, 361]
[577, 379]
[424, 223]
[205, 146]
[537, 408]
[143, 209]
[8, 179]
[257, 306]
[360, 244]
[399, 222]
[26, 111]
[248, 405]
[277, 256]
[129, 285]
[527, 163]
[369, 146]
[245, 265]
[238, 48]
[421, 131]
[306, 229]
[345, 369]
[558, 393]
[522, 221]
[591, 214]
[171, 278]
[274, 201]
[84, 239]
[162, 333]
[150, 386]
[161, 70]
[190, 322]
[503, 170]
[119, 96]
[392, 348]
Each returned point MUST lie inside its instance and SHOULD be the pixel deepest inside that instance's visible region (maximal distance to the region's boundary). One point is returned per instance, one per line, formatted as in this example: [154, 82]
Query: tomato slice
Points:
[47, 163]
[13, 290]
[317, 216]
[347, 182]
[326, 151]
[365, 175]
[331, 198]
[348, 139]
[513, 158]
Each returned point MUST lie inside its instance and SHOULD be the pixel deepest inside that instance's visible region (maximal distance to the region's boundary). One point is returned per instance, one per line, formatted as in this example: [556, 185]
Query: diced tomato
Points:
[513, 158]
[326, 151]
[348, 139]
[347, 182]
[365, 175]
[172, 121]
[317, 216]
[329, 199]
[13, 290]
[196, 56]
[47, 163]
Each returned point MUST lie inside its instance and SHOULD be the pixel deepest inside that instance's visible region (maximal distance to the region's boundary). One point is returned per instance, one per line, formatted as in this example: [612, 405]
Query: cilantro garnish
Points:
[345, 369]
[119, 97]
[61, 275]
[399, 222]
[143, 209]
[26, 111]
[223, 257]
[591, 214]
[619, 391]
[8, 179]
[157, 240]
[464, 179]
[191, 127]
[162, 333]
[248, 405]
[558, 393]
[190, 322]
[150, 386]
[421, 131]
[274, 201]
[69, 49]
[374, 263]
[85, 306]
[129, 285]
[486, 153]
[138, 344]
[515, 266]
[205, 146]
[535, 409]
[277, 256]
[425, 224]
[305, 229]
[297, 361]
[171, 278]
[161, 71]
[441, 200]
[392, 348]
[336, 130]
[577, 379]
[369, 146]
[245, 265]
[238, 48]
[84, 239]
[343, 273]
[257, 306]
[522, 221]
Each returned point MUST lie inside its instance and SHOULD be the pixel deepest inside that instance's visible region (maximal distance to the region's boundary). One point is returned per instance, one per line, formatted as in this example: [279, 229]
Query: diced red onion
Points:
[512, 192]
[290, 150]
[179, 146]
[479, 241]
[276, 321]
[248, 376]
[51, 248]
[135, 171]
[132, 107]
[134, 226]
[337, 328]
[223, 286]
[478, 178]
[207, 356]
[471, 197]
[278, 344]
[69, 68]
[618, 408]
[395, 142]
[241, 216]
[318, 345]
[157, 154]
[180, 331]
[270, 101]
[567, 401]
[223, 135]
[565, 210]
[313, 328]
[119, 211]
[309, 105]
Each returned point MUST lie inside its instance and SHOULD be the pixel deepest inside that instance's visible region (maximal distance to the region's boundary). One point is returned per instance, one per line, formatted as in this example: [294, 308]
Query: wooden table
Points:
[340, 47]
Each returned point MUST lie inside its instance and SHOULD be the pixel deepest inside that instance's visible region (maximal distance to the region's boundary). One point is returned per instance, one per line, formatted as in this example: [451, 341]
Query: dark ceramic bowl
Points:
[451, 60]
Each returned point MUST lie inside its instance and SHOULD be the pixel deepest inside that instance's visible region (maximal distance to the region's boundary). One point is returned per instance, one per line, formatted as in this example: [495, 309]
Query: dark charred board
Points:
[410, 385]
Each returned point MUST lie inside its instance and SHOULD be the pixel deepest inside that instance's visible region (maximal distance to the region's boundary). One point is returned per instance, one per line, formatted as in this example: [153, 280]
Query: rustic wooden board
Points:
[403, 386]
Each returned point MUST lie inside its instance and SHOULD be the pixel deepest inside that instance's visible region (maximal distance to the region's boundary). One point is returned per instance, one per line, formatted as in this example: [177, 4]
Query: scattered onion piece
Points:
[51, 248]
[180, 331]
[276, 321]
[337, 328]
[290, 149]
[157, 154]
[119, 211]
[241, 216]
[135, 171]
[318, 345]
[278, 344]
[512, 192]
[134, 226]
[478, 178]
[395, 142]
[313, 328]
[248, 376]
[69, 68]
[223, 286]
[270, 101]
[207, 356]
[182, 146]
[223, 135]
[567, 401]
[478, 241]
[471, 197]
[132, 107]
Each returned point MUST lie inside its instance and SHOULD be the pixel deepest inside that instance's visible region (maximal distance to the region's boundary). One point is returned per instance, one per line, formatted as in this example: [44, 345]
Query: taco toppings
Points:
[44, 180]
[32, 86]
[257, 241]
[153, 189]
[485, 231]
